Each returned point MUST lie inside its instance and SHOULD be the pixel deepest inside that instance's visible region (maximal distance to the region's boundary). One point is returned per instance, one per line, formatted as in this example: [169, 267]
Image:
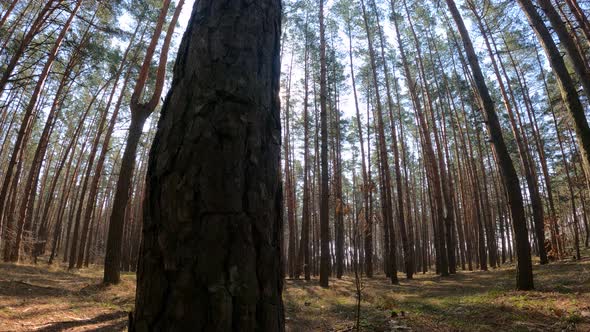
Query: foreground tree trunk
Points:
[211, 258]
[524, 269]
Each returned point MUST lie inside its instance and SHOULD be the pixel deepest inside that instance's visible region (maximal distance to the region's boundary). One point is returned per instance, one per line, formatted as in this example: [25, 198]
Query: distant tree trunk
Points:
[210, 259]
[34, 29]
[429, 156]
[386, 199]
[289, 185]
[140, 112]
[27, 204]
[316, 185]
[7, 12]
[540, 145]
[365, 187]
[339, 204]
[43, 231]
[28, 119]
[304, 258]
[521, 143]
[568, 90]
[401, 218]
[524, 271]
[578, 61]
[580, 17]
[324, 188]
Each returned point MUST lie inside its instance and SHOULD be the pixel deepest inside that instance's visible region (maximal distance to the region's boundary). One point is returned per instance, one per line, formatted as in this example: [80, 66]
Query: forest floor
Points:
[38, 298]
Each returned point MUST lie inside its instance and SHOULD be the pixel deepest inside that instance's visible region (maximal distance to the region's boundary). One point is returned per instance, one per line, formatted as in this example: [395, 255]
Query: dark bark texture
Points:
[210, 258]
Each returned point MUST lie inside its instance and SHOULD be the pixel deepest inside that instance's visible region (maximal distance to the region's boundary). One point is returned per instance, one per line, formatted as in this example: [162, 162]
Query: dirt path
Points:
[35, 298]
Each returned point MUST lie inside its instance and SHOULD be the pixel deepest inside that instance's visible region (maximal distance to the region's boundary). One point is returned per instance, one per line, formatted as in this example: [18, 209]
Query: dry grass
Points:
[41, 298]
[468, 301]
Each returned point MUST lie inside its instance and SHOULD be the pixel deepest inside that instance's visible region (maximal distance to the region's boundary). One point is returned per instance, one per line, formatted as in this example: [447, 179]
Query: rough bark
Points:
[210, 259]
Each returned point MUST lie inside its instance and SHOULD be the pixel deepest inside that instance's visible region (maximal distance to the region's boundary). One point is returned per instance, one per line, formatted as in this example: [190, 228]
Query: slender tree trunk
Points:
[524, 276]
[34, 29]
[430, 159]
[568, 90]
[28, 117]
[578, 61]
[365, 187]
[525, 159]
[580, 17]
[303, 258]
[324, 188]
[386, 202]
[289, 185]
[408, 257]
[140, 112]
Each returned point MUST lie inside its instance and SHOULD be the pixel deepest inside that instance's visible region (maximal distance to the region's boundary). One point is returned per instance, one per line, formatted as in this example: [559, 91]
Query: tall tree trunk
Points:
[524, 270]
[540, 145]
[429, 156]
[211, 258]
[580, 17]
[140, 112]
[28, 117]
[521, 143]
[304, 258]
[386, 199]
[324, 187]
[43, 231]
[401, 218]
[289, 184]
[365, 187]
[578, 61]
[568, 90]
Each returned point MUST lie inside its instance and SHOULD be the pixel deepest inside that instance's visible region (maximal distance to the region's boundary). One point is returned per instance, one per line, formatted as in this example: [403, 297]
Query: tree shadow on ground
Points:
[112, 321]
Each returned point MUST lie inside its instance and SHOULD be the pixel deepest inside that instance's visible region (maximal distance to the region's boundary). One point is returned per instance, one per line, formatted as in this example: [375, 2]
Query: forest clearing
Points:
[38, 298]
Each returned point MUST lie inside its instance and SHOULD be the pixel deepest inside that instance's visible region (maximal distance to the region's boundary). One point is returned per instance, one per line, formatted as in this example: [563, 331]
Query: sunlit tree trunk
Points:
[140, 112]
[568, 90]
[524, 277]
